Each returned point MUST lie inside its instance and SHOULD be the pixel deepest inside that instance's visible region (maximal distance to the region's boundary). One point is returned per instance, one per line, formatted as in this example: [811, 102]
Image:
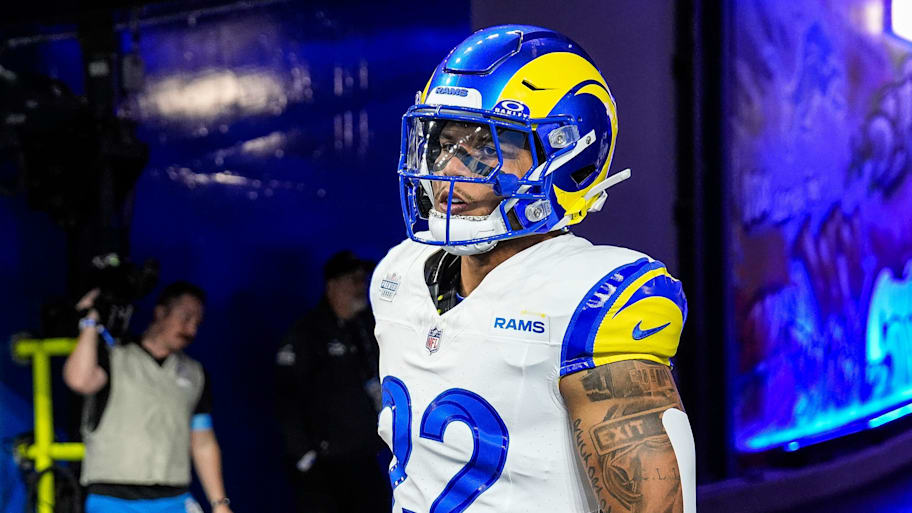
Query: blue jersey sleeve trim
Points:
[576, 353]
[201, 422]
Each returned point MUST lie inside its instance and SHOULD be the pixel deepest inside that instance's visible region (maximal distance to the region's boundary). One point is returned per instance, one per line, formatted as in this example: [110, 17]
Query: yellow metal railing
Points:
[44, 450]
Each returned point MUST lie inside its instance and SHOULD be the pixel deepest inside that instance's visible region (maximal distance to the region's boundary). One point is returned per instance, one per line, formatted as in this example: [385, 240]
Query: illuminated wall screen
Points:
[820, 163]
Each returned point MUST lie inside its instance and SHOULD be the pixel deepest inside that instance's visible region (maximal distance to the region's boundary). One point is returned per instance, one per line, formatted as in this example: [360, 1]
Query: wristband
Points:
[86, 323]
[224, 500]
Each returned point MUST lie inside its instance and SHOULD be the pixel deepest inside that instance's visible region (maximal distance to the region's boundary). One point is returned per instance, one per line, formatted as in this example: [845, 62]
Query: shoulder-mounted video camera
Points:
[121, 283]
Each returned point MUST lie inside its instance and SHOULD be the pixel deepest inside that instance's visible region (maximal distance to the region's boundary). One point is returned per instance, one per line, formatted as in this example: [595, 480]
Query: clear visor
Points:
[460, 148]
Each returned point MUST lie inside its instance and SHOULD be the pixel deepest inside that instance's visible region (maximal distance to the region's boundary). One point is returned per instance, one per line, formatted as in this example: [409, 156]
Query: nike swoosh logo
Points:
[639, 334]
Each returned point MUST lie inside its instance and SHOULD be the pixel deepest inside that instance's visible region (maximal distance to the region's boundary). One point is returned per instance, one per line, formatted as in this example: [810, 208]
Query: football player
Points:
[523, 368]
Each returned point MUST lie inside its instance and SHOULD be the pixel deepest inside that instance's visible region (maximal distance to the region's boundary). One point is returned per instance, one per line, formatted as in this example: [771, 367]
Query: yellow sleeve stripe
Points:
[647, 318]
[635, 312]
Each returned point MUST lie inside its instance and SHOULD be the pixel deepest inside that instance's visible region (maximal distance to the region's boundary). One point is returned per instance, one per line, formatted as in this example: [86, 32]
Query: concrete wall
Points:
[632, 42]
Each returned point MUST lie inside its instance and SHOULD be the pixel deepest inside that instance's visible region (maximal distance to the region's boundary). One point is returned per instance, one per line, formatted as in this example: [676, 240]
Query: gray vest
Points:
[143, 436]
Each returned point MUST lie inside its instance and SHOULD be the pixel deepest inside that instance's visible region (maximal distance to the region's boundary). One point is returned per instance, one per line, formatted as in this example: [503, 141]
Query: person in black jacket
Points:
[329, 396]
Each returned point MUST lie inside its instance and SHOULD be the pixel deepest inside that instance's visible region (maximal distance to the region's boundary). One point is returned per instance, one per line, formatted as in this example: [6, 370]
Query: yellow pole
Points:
[24, 348]
[60, 451]
[44, 429]
[44, 451]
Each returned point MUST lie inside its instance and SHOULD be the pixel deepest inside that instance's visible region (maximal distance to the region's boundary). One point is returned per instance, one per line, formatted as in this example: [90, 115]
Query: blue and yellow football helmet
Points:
[508, 87]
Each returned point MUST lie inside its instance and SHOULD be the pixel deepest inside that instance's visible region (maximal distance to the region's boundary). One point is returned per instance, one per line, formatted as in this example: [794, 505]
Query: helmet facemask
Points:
[468, 174]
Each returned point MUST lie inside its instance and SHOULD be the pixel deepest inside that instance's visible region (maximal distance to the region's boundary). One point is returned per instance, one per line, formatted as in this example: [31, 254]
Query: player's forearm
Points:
[81, 371]
[617, 415]
[207, 459]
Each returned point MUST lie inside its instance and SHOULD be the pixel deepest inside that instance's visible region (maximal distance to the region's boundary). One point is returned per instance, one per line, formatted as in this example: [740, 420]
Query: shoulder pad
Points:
[636, 311]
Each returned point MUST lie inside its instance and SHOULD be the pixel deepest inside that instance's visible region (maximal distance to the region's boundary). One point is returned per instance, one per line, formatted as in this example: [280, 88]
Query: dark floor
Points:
[892, 494]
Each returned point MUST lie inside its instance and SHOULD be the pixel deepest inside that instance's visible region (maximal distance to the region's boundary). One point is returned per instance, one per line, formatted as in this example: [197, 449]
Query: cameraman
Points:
[147, 411]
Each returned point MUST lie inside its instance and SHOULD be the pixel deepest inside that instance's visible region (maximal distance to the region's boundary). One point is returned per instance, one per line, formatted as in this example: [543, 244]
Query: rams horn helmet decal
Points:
[519, 85]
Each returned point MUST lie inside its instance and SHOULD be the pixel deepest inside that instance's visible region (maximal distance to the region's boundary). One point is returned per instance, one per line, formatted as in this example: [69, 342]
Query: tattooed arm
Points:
[616, 413]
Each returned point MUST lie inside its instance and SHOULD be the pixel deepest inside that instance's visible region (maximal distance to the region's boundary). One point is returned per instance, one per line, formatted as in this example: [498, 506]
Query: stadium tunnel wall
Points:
[273, 132]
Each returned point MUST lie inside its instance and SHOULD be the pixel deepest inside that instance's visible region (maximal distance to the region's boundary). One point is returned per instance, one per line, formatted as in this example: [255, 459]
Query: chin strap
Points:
[470, 249]
[474, 227]
[466, 228]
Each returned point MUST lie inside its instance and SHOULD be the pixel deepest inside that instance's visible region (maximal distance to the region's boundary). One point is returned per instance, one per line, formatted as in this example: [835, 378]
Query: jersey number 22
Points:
[488, 430]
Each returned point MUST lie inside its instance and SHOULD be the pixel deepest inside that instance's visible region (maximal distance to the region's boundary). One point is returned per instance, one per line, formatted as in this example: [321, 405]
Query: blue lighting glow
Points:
[890, 416]
[832, 425]
[901, 19]
[792, 446]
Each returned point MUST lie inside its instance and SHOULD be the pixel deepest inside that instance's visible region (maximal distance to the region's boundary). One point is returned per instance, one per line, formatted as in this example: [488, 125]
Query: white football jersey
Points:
[472, 409]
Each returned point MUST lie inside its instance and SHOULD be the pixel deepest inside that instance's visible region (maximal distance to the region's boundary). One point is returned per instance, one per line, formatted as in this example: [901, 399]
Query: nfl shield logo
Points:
[433, 340]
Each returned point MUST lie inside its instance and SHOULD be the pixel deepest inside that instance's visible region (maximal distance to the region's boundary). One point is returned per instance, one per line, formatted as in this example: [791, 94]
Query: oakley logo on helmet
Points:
[452, 91]
[511, 108]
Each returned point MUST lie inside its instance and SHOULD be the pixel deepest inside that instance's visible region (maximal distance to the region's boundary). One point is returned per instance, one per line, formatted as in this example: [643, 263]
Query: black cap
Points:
[345, 262]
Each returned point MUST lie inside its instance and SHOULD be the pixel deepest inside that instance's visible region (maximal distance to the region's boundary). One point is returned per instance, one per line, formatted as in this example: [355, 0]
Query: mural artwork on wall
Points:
[821, 222]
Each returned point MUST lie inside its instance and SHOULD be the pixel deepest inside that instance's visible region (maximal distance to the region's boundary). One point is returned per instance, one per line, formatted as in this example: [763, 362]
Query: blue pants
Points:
[103, 504]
